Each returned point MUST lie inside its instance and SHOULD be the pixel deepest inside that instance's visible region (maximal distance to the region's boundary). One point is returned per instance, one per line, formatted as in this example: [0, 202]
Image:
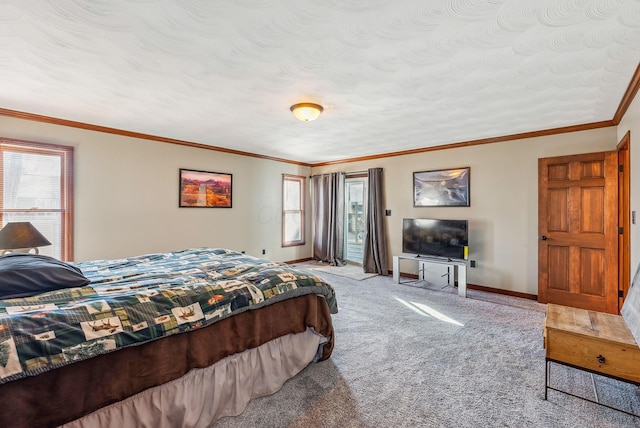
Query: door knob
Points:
[544, 238]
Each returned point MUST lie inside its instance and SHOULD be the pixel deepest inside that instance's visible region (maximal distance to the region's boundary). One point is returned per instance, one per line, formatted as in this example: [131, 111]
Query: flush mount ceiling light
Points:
[306, 112]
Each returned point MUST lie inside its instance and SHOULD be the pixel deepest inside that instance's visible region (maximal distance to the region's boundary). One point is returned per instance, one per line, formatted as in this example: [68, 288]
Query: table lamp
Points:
[21, 237]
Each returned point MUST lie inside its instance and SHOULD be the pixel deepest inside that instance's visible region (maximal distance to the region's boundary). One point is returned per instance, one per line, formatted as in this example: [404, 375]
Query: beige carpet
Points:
[347, 271]
[412, 357]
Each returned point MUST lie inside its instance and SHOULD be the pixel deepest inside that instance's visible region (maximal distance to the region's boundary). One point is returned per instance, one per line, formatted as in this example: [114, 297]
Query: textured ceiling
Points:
[393, 75]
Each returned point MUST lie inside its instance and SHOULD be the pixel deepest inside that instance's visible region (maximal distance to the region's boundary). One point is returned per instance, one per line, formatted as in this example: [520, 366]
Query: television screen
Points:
[436, 238]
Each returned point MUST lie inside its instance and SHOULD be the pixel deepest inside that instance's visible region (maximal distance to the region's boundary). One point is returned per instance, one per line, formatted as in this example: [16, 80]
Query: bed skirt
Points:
[71, 392]
[203, 396]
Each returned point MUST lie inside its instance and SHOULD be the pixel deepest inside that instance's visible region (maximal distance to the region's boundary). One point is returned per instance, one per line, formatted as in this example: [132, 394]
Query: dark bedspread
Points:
[140, 299]
[241, 303]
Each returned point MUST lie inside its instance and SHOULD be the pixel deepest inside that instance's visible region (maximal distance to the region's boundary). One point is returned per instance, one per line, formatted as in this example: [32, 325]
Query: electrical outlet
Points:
[473, 263]
[387, 213]
[264, 251]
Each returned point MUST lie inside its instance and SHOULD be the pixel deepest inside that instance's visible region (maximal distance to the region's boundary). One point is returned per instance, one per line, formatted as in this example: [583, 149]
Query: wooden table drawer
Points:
[592, 340]
[594, 353]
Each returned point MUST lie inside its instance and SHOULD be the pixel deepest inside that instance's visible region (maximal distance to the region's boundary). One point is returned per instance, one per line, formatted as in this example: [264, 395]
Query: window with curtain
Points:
[36, 186]
[292, 210]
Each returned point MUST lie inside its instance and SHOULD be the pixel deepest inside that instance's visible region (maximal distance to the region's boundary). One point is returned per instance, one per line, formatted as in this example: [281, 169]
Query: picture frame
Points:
[204, 189]
[442, 188]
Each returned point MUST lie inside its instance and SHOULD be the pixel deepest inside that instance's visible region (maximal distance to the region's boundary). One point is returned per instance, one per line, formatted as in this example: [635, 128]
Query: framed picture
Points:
[203, 189]
[441, 188]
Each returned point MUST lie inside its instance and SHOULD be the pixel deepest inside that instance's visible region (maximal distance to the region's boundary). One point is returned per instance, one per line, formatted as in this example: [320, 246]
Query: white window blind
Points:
[36, 187]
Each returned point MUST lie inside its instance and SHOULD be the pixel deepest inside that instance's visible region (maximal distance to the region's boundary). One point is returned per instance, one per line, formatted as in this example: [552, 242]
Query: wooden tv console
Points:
[592, 341]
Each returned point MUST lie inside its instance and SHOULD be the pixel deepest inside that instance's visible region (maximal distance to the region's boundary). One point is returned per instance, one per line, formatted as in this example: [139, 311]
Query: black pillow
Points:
[26, 274]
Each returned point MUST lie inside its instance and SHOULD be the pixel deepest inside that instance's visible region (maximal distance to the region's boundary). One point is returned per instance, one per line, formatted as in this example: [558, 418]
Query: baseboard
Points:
[501, 291]
[487, 289]
[292, 262]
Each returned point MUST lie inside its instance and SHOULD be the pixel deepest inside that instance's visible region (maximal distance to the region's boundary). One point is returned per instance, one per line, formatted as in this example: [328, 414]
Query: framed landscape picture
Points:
[203, 189]
[439, 188]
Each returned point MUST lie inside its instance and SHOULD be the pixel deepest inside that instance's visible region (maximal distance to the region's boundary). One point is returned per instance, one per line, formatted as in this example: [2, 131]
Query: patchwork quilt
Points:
[135, 300]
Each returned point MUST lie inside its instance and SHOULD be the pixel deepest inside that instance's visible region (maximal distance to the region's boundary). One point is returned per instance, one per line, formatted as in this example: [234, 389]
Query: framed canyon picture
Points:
[204, 189]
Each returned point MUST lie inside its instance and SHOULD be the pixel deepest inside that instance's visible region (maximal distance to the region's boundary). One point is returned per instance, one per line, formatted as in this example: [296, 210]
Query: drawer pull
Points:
[601, 359]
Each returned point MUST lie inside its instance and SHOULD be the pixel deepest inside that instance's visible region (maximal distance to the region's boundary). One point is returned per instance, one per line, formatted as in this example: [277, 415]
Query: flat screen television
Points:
[435, 238]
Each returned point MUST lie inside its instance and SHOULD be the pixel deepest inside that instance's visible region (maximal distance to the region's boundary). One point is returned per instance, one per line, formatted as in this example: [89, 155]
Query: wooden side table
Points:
[592, 341]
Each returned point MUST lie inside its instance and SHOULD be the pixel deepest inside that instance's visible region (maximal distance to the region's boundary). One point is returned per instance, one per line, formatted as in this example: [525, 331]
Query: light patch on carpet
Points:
[425, 310]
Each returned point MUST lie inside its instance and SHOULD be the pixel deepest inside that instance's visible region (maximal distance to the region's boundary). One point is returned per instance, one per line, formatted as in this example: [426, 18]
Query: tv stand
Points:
[458, 265]
[432, 259]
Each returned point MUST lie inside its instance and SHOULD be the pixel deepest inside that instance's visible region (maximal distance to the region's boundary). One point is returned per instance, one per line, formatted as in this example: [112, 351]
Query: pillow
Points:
[26, 274]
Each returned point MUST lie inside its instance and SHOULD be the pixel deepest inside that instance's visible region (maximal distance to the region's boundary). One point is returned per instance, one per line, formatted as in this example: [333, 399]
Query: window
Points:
[292, 210]
[36, 186]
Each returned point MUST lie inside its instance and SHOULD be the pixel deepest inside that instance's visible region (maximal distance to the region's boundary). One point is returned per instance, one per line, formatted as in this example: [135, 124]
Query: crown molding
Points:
[627, 99]
[115, 131]
[628, 96]
[501, 139]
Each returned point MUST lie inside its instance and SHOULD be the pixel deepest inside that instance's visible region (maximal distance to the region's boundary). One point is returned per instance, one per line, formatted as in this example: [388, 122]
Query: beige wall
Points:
[631, 122]
[126, 196]
[503, 216]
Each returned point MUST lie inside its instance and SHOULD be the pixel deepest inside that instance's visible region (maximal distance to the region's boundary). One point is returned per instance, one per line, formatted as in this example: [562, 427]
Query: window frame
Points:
[302, 181]
[66, 191]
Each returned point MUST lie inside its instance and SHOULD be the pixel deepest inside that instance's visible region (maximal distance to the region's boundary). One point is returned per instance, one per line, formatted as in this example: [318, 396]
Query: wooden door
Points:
[578, 231]
[624, 211]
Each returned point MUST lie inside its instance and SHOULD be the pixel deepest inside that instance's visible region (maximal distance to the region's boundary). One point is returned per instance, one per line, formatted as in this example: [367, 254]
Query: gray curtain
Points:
[376, 258]
[328, 230]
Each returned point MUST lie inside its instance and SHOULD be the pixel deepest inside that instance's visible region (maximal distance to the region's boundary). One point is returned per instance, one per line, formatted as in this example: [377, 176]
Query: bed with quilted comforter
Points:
[168, 339]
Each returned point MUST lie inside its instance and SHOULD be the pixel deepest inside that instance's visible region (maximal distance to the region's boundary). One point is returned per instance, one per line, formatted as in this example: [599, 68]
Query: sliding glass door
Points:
[355, 210]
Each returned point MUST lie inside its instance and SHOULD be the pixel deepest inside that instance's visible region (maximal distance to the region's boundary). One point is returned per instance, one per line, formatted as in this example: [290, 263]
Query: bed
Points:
[168, 339]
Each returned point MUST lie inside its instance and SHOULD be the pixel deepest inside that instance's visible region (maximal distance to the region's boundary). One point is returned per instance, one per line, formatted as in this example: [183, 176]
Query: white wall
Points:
[503, 214]
[631, 123]
[126, 196]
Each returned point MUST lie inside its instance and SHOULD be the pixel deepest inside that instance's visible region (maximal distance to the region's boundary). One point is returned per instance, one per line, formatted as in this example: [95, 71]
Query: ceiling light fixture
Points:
[306, 112]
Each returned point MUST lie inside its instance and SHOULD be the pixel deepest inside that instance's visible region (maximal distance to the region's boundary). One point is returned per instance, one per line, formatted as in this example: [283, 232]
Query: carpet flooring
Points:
[420, 356]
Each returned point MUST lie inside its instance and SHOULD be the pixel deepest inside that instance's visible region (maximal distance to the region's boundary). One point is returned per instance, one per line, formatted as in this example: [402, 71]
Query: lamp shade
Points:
[306, 112]
[21, 235]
